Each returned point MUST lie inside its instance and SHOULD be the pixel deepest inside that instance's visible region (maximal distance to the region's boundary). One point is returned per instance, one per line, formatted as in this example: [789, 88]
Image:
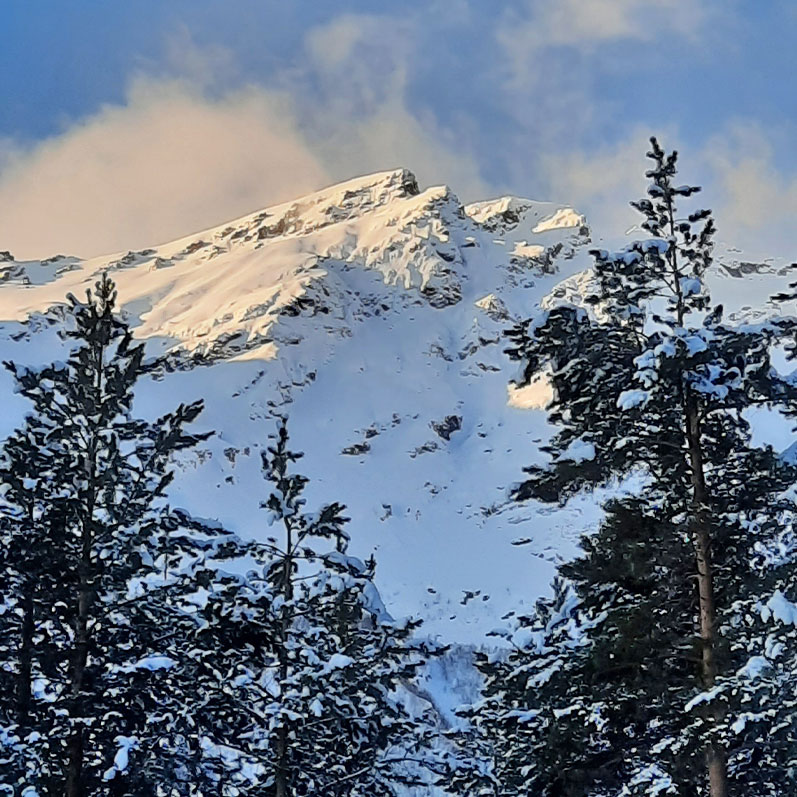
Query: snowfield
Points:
[372, 314]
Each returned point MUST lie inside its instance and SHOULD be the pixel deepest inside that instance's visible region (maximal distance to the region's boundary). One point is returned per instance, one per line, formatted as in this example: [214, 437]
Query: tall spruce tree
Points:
[97, 569]
[303, 667]
[668, 669]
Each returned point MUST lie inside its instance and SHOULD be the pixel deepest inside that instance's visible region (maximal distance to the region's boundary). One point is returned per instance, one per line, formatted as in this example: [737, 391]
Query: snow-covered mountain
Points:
[372, 313]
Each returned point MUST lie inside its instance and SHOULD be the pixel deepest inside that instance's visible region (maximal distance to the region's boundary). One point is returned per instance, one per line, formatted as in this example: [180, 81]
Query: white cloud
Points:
[364, 121]
[576, 22]
[167, 162]
[555, 61]
[553, 55]
[184, 153]
[756, 200]
[592, 24]
[601, 183]
[753, 191]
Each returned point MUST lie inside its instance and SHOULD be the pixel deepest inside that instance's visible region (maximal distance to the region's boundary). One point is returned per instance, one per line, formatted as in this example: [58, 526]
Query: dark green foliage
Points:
[136, 658]
[303, 667]
[625, 687]
[97, 565]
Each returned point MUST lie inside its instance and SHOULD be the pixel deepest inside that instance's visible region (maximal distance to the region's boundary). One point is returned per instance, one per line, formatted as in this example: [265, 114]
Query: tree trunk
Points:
[281, 763]
[281, 776]
[25, 676]
[701, 524]
[74, 782]
[74, 785]
[25, 659]
[717, 772]
[74, 778]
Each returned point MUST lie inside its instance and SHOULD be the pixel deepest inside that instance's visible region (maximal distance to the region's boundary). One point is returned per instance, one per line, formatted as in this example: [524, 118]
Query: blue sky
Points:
[125, 124]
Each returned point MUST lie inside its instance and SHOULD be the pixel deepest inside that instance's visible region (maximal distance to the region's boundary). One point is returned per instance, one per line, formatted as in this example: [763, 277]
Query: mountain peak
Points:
[507, 212]
[373, 312]
[340, 200]
[227, 289]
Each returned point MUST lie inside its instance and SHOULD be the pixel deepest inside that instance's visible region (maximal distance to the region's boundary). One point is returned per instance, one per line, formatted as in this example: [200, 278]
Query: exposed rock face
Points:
[445, 428]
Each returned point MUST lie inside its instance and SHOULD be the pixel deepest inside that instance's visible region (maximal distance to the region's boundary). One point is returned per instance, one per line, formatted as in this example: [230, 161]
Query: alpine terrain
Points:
[372, 314]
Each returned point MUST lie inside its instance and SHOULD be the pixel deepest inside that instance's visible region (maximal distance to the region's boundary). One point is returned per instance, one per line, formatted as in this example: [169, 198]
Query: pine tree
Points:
[563, 710]
[667, 674]
[304, 667]
[99, 569]
[32, 566]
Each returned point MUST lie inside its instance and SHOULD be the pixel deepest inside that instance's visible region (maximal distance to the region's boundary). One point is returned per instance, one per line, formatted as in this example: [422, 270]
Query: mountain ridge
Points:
[372, 313]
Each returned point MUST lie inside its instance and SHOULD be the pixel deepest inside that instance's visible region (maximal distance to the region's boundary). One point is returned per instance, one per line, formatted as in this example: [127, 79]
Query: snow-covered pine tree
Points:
[96, 561]
[303, 666]
[31, 517]
[588, 670]
[667, 673]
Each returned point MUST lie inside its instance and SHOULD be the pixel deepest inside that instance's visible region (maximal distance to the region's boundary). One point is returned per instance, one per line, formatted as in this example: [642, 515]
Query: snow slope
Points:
[372, 313]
